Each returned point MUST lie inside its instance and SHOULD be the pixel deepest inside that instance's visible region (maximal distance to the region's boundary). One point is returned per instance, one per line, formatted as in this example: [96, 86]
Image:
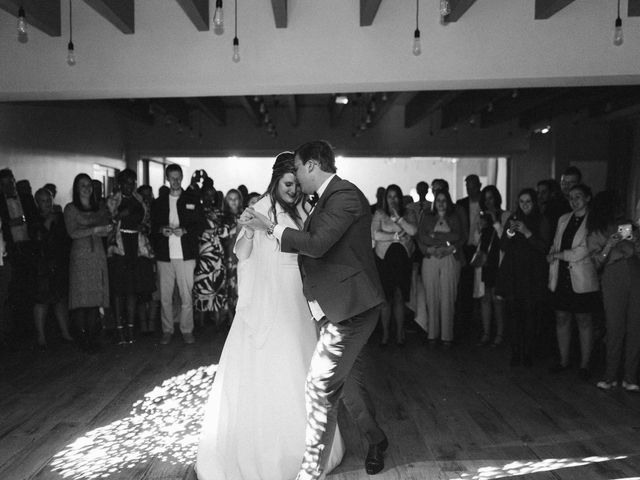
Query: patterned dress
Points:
[210, 284]
[231, 224]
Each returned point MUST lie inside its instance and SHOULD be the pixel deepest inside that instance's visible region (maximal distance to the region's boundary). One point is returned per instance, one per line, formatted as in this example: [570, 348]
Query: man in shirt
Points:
[177, 221]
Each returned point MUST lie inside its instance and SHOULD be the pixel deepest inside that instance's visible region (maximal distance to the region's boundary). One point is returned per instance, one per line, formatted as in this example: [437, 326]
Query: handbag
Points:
[480, 257]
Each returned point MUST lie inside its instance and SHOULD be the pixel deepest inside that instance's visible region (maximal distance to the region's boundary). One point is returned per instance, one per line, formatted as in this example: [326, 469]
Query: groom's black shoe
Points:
[374, 462]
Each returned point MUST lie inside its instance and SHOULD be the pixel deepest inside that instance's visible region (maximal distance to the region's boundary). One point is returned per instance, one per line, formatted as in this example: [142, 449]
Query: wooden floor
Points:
[133, 413]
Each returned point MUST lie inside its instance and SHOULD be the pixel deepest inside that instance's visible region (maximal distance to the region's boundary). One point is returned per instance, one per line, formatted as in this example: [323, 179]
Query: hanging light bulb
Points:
[22, 21]
[218, 17]
[71, 53]
[618, 37]
[236, 50]
[417, 48]
[236, 42]
[445, 8]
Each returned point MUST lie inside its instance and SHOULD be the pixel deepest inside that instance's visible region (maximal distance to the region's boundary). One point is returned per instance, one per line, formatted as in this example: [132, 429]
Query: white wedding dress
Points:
[254, 422]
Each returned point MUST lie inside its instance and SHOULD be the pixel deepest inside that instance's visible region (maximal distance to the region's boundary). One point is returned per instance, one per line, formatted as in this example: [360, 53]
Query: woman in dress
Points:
[254, 422]
[52, 280]
[574, 280]
[232, 211]
[522, 273]
[87, 223]
[210, 284]
[440, 238]
[392, 229]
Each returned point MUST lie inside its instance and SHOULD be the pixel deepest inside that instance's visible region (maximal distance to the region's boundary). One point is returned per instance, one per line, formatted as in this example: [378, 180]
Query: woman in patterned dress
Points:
[232, 212]
[210, 285]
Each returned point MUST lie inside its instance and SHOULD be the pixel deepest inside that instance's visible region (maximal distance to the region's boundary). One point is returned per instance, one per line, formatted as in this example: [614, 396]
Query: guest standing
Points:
[52, 277]
[440, 238]
[574, 280]
[87, 223]
[210, 287]
[177, 222]
[618, 258]
[392, 230]
[522, 273]
[233, 207]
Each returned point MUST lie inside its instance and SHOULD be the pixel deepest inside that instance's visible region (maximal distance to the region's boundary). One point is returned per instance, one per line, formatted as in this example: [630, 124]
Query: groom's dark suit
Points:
[338, 271]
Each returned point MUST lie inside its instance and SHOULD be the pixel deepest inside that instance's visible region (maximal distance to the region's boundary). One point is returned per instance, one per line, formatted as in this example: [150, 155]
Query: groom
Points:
[341, 284]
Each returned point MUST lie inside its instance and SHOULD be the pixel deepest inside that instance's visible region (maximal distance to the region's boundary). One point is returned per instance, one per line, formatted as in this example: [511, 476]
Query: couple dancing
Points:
[272, 412]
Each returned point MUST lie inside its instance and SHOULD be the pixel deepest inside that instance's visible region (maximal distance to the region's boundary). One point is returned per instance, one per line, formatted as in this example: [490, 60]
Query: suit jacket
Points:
[191, 218]
[335, 256]
[584, 276]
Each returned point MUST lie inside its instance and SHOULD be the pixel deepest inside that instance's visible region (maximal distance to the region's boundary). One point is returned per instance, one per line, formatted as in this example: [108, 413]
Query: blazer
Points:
[456, 237]
[584, 276]
[334, 253]
[191, 218]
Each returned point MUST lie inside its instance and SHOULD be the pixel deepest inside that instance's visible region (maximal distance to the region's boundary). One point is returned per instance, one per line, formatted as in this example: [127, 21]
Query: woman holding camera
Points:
[574, 280]
[522, 273]
[615, 249]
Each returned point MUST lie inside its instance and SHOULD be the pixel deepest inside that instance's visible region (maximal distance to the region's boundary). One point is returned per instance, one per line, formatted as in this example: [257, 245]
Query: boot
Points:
[120, 332]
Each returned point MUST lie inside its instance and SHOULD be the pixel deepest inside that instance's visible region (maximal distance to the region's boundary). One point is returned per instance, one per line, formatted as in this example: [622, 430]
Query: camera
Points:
[625, 232]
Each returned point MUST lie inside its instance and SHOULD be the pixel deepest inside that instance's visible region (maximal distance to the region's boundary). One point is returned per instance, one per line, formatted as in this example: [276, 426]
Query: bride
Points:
[254, 422]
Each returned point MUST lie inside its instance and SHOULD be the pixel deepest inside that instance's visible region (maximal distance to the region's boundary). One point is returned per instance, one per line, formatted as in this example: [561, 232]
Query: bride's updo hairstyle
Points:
[284, 164]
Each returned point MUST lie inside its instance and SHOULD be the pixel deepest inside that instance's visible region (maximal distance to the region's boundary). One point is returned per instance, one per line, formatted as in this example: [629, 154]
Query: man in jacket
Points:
[177, 221]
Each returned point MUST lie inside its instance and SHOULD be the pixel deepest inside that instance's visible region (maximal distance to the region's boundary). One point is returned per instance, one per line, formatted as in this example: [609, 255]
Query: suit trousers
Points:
[170, 274]
[621, 298]
[440, 277]
[336, 373]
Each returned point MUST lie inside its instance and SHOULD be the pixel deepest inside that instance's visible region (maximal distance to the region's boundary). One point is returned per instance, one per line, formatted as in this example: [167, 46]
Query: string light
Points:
[218, 17]
[417, 48]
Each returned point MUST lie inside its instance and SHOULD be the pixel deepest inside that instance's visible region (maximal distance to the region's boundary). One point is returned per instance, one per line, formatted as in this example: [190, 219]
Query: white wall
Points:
[496, 43]
[51, 144]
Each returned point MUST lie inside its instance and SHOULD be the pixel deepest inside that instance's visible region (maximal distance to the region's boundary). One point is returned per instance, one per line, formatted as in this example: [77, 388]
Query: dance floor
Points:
[133, 412]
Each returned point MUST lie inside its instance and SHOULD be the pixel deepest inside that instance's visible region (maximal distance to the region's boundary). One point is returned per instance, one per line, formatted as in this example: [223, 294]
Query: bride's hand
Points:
[254, 220]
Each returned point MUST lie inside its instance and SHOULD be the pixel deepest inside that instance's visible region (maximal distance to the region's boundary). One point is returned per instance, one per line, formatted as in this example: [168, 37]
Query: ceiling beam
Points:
[424, 104]
[121, 13]
[633, 8]
[212, 107]
[458, 9]
[292, 110]
[547, 8]
[45, 16]
[368, 11]
[176, 108]
[280, 12]
[383, 107]
[198, 12]
[135, 110]
[252, 108]
[519, 101]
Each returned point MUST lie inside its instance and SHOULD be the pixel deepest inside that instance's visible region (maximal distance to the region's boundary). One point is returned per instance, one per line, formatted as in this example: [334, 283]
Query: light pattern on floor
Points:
[165, 425]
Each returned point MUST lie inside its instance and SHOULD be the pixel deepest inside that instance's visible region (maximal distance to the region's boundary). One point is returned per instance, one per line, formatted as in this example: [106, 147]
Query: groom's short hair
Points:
[319, 150]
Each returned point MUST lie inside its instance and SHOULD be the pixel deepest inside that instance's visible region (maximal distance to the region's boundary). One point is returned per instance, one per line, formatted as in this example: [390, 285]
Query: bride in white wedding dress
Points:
[254, 422]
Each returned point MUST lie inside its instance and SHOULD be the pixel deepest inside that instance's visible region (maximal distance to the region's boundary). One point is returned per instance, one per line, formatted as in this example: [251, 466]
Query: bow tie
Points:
[313, 199]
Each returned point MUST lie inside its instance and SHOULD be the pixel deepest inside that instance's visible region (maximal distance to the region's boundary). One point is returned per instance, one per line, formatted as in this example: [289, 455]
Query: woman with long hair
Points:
[573, 279]
[233, 207]
[440, 238]
[615, 249]
[392, 229]
[521, 276]
[87, 223]
[259, 387]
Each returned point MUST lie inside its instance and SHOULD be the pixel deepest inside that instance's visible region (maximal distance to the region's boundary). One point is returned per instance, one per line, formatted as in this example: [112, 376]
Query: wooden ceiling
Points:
[45, 15]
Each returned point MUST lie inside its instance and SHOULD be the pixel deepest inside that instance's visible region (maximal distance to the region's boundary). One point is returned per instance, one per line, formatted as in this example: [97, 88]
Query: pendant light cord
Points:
[236, 19]
[618, 8]
[71, 20]
[418, 9]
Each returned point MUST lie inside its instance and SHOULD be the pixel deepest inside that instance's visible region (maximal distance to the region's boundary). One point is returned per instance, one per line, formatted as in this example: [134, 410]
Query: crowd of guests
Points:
[561, 253]
[127, 262]
[139, 262]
